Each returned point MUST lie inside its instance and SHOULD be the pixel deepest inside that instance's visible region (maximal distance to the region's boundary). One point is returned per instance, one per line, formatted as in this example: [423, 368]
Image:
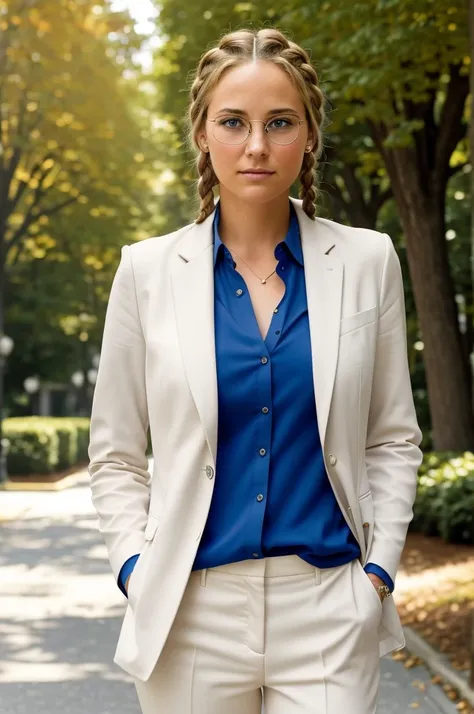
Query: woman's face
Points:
[256, 89]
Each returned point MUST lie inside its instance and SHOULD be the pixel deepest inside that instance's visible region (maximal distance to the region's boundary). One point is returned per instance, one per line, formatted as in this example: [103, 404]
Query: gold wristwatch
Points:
[383, 592]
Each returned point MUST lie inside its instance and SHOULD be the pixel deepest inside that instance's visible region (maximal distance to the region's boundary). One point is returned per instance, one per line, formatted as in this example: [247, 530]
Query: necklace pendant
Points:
[264, 281]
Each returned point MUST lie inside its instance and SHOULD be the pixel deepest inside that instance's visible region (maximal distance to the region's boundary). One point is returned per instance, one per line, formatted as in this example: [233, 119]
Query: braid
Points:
[307, 189]
[207, 180]
[299, 59]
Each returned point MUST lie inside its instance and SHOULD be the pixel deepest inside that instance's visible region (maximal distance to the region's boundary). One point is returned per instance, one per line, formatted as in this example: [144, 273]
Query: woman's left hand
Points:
[376, 581]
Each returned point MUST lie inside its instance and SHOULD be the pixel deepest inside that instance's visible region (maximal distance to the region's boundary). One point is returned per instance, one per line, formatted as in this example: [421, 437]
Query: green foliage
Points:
[79, 158]
[44, 445]
[444, 503]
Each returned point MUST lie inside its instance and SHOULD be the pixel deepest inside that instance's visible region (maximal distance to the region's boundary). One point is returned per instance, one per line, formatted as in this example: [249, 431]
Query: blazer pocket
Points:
[357, 320]
[366, 506]
[151, 527]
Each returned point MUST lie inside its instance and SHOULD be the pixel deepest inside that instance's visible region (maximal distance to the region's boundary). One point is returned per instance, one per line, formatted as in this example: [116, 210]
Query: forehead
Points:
[255, 86]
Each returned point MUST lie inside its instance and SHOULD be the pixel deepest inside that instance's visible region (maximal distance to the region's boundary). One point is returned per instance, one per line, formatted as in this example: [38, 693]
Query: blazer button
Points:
[332, 459]
[209, 472]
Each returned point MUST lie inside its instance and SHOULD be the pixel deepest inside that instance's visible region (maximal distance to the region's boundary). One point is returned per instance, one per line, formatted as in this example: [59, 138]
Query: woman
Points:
[266, 350]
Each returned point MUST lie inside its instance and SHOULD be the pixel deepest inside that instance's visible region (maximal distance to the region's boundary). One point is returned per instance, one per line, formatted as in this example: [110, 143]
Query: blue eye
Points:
[286, 122]
[225, 123]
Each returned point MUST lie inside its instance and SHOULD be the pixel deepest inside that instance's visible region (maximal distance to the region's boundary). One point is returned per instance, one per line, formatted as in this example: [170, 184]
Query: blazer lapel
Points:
[324, 281]
[193, 293]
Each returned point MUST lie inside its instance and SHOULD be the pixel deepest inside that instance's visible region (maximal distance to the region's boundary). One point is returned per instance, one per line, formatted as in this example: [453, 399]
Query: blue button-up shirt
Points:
[272, 495]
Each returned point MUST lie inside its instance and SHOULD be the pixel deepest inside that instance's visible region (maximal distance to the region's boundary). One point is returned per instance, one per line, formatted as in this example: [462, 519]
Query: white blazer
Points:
[157, 369]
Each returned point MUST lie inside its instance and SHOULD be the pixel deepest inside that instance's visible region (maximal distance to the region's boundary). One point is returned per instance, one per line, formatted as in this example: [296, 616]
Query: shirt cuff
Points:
[127, 568]
[380, 572]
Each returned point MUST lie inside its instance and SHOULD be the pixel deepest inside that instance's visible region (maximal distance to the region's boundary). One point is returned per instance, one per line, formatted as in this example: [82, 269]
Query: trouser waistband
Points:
[274, 566]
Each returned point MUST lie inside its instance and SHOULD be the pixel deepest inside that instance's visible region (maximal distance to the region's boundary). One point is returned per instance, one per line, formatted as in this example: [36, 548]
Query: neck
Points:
[253, 229]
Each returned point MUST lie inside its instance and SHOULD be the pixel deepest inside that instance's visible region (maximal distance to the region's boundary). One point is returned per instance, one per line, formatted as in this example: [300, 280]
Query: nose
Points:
[257, 141]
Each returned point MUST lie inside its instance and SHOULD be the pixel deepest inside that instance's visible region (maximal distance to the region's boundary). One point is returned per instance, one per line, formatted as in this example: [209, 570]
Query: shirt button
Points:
[264, 360]
[265, 410]
[209, 472]
[262, 452]
[332, 459]
[255, 555]
[260, 497]
[239, 292]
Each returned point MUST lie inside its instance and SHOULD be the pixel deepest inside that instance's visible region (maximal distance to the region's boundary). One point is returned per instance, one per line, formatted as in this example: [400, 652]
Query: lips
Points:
[257, 171]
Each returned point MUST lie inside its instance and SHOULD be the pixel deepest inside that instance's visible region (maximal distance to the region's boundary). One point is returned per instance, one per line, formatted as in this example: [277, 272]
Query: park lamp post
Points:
[31, 385]
[6, 347]
[77, 380]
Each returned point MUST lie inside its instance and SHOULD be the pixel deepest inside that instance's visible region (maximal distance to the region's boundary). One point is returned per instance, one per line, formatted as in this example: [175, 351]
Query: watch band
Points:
[383, 591]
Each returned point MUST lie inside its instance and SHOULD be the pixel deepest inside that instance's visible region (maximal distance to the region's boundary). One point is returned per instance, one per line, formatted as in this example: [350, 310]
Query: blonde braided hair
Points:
[235, 48]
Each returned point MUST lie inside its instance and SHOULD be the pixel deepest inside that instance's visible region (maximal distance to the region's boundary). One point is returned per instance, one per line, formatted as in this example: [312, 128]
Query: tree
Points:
[69, 137]
[400, 68]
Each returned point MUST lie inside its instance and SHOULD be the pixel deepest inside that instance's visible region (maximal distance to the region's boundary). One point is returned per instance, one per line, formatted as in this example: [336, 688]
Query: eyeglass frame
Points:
[238, 143]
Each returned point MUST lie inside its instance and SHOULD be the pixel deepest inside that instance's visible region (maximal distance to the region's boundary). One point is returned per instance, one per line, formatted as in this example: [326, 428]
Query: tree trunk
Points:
[421, 210]
[471, 152]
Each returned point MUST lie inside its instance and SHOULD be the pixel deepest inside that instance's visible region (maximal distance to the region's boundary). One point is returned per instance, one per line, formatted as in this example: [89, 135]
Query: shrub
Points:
[45, 444]
[444, 503]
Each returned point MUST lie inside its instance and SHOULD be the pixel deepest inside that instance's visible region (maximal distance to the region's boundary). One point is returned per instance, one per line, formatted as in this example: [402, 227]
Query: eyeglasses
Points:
[233, 130]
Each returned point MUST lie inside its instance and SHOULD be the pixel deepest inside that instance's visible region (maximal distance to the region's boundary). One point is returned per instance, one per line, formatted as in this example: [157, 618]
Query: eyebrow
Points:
[282, 110]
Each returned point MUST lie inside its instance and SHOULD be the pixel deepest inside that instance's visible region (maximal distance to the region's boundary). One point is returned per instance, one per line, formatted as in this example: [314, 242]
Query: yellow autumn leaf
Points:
[16, 219]
[22, 175]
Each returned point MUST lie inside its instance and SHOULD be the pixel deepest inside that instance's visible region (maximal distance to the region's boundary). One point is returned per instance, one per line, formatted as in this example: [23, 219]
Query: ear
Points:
[311, 140]
[202, 141]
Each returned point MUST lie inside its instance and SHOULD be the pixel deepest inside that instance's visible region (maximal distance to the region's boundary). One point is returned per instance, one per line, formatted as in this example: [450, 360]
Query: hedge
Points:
[444, 503]
[45, 444]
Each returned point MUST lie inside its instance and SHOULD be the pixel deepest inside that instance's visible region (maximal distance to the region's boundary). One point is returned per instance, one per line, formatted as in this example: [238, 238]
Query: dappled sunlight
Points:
[435, 594]
[57, 649]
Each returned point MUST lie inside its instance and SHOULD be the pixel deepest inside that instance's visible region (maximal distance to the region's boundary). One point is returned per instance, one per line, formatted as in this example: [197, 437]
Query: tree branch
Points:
[451, 126]
[54, 209]
[13, 202]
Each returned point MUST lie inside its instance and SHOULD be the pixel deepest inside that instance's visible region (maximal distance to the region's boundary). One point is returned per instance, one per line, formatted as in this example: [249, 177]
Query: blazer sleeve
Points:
[392, 452]
[119, 424]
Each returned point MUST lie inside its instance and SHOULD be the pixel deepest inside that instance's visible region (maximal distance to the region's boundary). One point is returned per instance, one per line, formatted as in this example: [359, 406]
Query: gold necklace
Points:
[262, 280]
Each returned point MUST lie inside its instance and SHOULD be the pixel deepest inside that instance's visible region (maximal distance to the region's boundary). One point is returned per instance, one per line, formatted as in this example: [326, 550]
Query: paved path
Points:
[60, 615]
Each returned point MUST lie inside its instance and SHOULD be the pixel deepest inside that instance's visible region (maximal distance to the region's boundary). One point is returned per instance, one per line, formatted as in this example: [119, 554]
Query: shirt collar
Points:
[292, 240]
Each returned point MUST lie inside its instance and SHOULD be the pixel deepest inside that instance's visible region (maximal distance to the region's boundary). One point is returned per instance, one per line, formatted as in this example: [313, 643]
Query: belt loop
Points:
[203, 577]
[317, 576]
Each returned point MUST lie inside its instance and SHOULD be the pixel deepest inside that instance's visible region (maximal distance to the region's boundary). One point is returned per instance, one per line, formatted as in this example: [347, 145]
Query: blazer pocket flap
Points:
[151, 527]
[358, 319]
[366, 506]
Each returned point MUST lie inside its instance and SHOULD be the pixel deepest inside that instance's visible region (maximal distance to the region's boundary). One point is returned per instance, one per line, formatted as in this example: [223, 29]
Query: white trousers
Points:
[277, 631]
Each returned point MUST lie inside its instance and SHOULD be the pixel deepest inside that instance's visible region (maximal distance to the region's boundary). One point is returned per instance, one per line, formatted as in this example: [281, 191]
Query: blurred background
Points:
[93, 156]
